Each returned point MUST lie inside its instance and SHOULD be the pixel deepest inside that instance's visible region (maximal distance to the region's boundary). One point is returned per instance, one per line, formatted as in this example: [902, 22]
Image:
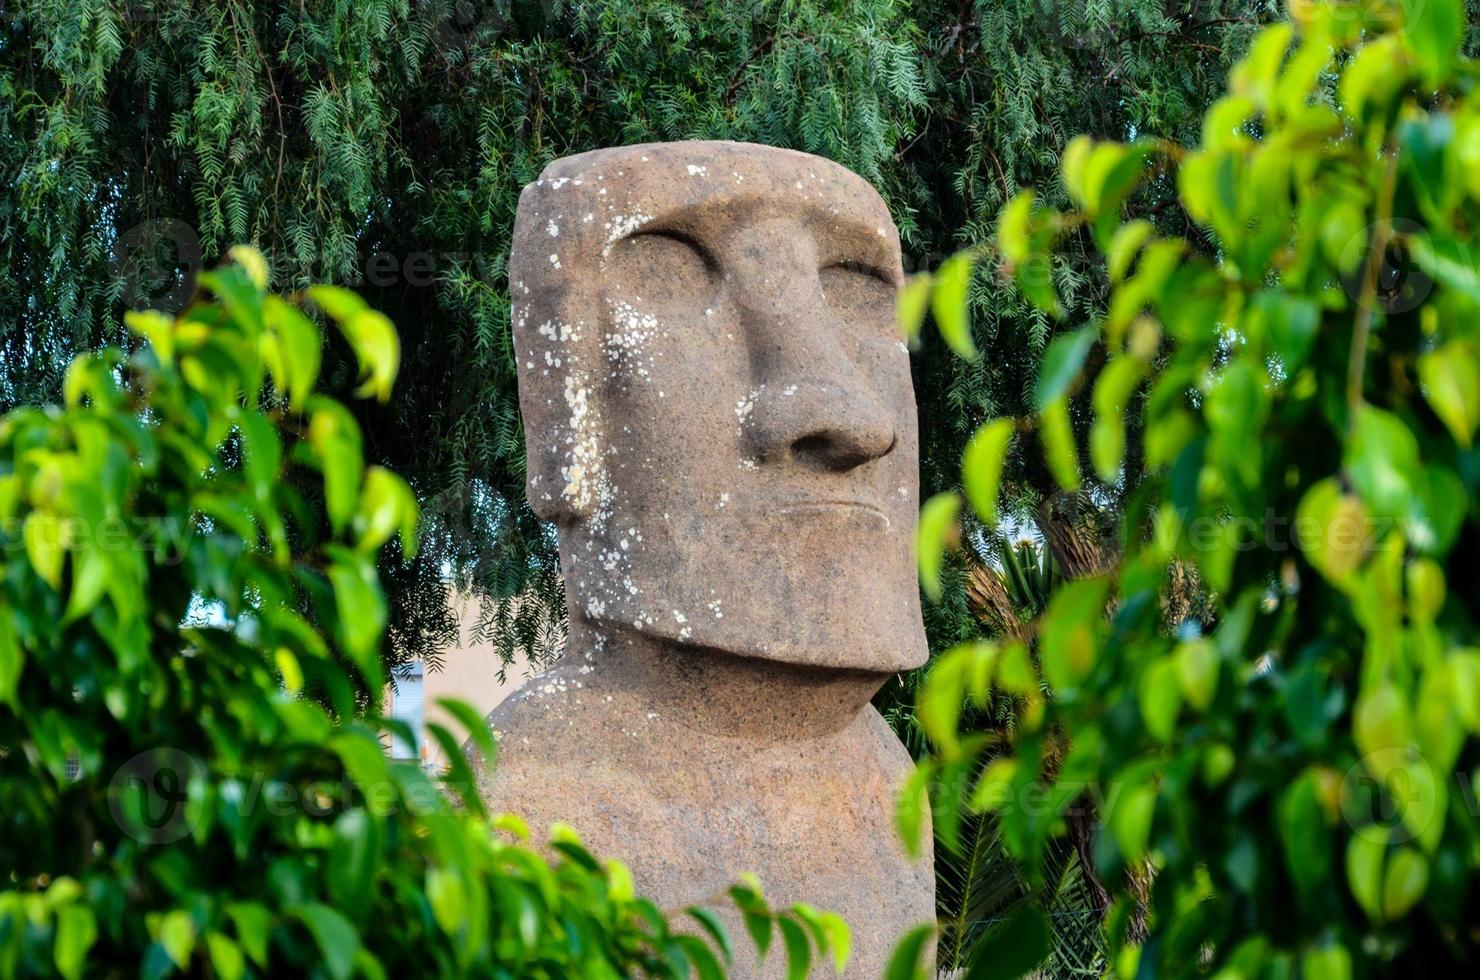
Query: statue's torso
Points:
[689, 810]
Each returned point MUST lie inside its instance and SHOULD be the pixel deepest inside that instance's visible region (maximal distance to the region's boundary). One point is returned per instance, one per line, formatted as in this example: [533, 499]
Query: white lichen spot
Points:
[555, 260]
[560, 182]
[698, 171]
[553, 229]
[621, 226]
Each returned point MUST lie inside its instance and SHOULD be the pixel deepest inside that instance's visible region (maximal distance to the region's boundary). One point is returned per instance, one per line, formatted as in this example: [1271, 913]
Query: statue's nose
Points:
[812, 405]
[819, 424]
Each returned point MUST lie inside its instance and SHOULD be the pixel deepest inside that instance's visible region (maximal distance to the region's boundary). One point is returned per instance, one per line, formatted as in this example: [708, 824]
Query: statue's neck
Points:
[720, 693]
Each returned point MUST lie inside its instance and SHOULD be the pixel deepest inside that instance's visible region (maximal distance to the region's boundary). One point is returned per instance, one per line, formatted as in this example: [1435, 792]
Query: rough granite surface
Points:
[720, 422]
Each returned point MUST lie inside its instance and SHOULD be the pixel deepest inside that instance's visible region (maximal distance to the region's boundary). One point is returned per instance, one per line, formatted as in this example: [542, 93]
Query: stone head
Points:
[718, 409]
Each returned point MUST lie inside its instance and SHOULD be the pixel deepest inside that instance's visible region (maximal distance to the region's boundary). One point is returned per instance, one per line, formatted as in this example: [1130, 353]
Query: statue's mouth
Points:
[834, 505]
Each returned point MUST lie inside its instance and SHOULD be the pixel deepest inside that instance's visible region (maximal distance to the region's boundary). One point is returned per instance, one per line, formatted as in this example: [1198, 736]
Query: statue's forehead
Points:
[589, 201]
[678, 175]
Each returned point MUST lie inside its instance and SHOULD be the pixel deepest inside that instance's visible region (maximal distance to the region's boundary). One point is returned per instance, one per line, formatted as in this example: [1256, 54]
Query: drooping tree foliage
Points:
[383, 143]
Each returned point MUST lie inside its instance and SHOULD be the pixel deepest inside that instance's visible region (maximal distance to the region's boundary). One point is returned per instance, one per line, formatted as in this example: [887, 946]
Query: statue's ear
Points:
[548, 293]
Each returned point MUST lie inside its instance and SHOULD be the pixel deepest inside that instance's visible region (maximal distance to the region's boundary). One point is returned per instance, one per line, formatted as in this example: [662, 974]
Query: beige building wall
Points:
[469, 672]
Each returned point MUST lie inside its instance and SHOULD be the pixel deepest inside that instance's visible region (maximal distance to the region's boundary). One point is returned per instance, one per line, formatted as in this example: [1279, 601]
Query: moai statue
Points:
[720, 422]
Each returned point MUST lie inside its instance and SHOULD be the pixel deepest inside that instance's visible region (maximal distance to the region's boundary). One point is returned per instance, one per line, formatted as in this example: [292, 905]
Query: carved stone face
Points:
[717, 406]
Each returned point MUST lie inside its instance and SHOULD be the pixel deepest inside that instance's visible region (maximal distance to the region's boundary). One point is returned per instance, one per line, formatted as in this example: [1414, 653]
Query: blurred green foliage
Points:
[193, 776]
[1288, 791]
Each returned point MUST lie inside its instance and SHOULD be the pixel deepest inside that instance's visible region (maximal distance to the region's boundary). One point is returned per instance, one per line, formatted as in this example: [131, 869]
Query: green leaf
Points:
[937, 528]
[1254, 76]
[300, 349]
[156, 328]
[1014, 949]
[938, 705]
[354, 859]
[1058, 445]
[1364, 859]
[252, 922]
[1305, 837]
[43, 532]
[475, 723]
[1015, 228]
[1114, 389]
[1441, 501]
[448, 900]
[1061, 365]
[949, 304]
[253, 263]
[1332, 529]
[1382, 458]
[377, 346]
[981, 467]
[361, 612]
[1197, 671]
[336, 937]
[701, 956]
[755, 915]
[911, 303]
[798, 950]
[715, 928]
[1434, 29]
[341, 304]
[1373, 77]
[1015, 670]
[905, 963]
[387, 505]
[1331, 962]
[1224, 122]
[335, 438]
[912, 806]
[1069, 647]
[77, 930]
[1404, 882]
[1381, 720]
[1130, 820]
[1291, 323]
[1451, 384]
[12, 660]
[1160, 698]
[837, 939]
[177, 936]
[1124, 246]
[241, 297]
[226, 956]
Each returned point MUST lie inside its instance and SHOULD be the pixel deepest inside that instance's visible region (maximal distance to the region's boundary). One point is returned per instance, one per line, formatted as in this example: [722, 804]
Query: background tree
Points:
[384, 143]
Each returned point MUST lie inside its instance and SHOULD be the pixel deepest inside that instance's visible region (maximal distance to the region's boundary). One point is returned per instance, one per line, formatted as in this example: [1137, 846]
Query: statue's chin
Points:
[880, 636]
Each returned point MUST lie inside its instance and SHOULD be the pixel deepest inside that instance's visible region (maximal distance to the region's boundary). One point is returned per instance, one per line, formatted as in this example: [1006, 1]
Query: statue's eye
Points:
[858, 292]
[661, 272]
